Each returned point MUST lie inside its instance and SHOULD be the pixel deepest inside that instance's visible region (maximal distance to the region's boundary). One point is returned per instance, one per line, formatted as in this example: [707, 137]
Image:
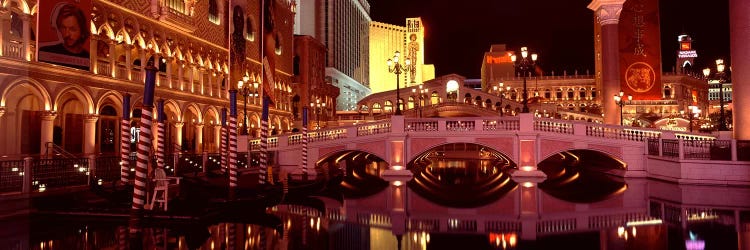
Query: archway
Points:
[582, 176]
[359, 172]
[461, 175]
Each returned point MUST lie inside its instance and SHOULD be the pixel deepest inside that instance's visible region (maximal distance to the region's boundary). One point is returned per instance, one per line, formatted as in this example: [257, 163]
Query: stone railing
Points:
[373, 128]
[13, 50]
[701, 149]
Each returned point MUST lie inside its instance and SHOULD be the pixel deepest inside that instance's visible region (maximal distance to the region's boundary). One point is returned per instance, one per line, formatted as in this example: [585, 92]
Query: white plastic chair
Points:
[161, 188]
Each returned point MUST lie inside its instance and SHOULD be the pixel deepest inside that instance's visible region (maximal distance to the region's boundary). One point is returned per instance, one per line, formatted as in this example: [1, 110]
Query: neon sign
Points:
[687, 54]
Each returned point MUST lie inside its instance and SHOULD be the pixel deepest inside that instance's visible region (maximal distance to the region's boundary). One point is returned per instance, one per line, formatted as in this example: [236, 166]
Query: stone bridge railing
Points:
[670, 143]
[481, 125]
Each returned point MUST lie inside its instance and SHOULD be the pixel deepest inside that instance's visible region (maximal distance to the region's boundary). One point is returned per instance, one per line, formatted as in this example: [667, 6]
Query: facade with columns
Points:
[45, 106]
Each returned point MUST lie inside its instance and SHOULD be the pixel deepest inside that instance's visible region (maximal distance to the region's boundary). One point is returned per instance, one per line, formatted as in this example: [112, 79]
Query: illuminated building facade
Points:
[342, 26]
[577, 96]
[385, 40]
[48, 105]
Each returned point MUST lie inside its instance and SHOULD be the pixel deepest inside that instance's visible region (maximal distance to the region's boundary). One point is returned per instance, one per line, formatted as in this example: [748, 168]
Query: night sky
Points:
[560, 31]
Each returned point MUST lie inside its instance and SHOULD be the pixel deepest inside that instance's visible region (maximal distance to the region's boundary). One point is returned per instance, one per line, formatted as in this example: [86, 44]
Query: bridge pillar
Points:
[528, 150]
[397, 202]
[529, 201]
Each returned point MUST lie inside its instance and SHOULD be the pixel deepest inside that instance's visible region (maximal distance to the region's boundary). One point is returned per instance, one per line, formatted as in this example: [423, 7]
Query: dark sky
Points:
[457, 33]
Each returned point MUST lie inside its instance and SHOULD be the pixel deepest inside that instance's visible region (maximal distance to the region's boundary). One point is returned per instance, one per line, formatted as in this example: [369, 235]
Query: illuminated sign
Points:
[135, 133]
[498, 59]
[685, 46]
[687, 54]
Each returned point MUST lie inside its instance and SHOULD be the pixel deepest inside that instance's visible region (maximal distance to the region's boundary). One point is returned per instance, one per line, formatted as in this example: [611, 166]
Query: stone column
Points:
[217, 137]
[26, 36]
[89, 137]
[169, 70]
[178, 134]
[608, 13]
[93, 56]
[128, 60]
[739, 34]
[199, 137]
[112, 58]
[48, 125]
[4, 18]
[191, 79]
[180, 71]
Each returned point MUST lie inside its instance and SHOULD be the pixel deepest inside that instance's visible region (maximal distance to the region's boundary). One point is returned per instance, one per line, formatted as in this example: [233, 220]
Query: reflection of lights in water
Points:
[421, 239]
[643, 222]
[503, 240]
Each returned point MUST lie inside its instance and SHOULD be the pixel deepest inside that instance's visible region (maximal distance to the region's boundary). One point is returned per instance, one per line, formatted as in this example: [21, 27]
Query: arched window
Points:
[467, 98]
[513, 95]
[178, 5]
[593, 93]
[249, 29]
[559, 94]
[376, 108]
[547, 94]
[434, 99]
[478, 101]
[411, 102]
[278, 46]
[388, 107]
[582, 93]
[213, 12]
[571, 94]
[667, 92]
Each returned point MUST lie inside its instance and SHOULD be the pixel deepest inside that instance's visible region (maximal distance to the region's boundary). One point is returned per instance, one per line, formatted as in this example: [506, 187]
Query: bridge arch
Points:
[423, 147]
[360, 171]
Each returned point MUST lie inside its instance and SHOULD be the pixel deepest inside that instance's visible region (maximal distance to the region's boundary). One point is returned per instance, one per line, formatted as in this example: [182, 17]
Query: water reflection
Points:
[590, 211]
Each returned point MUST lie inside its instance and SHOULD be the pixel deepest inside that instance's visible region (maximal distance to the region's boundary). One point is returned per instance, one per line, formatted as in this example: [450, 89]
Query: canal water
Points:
[449, 204]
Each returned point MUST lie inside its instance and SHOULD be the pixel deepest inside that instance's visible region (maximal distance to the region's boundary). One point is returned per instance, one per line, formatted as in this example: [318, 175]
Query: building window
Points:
[593, 93]
[213, 12]
[571, 94]
[559, 94]
[249, 29]
[667, 92]
[277, 48]
[178, 5]
[582, 93]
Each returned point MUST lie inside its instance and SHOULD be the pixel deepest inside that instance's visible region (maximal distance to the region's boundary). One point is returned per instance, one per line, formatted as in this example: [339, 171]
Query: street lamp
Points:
[317, 107]
[694, 113]
[501, 93]
[418, 99]
[720, 78]
[395, 67]
[525, 67]
[244, 90]
[621, 102]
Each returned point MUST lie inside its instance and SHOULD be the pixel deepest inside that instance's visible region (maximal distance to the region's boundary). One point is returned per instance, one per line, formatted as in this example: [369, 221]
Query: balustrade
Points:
[13, 49]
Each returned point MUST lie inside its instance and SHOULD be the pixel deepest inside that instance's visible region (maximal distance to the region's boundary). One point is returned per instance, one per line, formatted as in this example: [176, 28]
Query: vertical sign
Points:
[64, 30]
[414, 50]
[640, 49]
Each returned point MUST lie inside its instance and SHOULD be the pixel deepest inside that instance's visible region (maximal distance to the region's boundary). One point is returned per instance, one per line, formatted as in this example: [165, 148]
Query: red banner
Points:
[64, 30]
[640, 50]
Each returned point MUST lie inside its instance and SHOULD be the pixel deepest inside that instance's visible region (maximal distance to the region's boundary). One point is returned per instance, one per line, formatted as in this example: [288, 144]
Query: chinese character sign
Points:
[640, 49]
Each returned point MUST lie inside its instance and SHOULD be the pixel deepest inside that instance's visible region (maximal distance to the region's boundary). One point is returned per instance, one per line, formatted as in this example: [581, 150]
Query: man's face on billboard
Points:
[70, 31]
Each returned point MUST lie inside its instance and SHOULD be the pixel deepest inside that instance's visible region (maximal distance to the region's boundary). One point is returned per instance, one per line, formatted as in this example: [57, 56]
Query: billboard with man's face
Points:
[64, 30]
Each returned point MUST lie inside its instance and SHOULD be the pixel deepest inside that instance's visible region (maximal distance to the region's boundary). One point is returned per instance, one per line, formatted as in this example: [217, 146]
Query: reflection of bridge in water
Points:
[529, 212]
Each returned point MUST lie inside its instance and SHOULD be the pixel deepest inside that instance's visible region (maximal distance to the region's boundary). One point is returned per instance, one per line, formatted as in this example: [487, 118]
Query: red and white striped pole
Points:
[304, 143]
[224, 137]
[161, 134]
[125, 139]
[263, 143]
[144, 148]
[232, 138]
